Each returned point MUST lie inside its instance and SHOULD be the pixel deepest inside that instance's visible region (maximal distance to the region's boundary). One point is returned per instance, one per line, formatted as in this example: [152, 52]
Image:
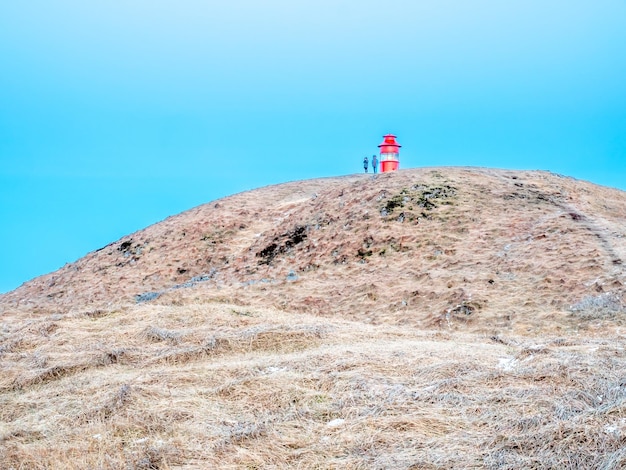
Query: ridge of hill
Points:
[428, 318]
[421, 246]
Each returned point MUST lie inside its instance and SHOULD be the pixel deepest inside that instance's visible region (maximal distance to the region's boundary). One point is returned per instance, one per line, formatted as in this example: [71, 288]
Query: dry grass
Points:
[217, 386]
[508, 243]
[449, 318]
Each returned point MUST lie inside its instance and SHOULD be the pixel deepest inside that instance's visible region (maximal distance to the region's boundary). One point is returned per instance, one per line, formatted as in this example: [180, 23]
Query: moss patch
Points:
[414, 201]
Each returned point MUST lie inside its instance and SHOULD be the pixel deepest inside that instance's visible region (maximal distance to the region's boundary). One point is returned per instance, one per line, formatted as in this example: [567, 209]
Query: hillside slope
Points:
[502, 248]
[429, 318]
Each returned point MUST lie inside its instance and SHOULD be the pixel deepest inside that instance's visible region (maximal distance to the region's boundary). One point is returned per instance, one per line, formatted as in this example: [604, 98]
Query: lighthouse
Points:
[389, 154]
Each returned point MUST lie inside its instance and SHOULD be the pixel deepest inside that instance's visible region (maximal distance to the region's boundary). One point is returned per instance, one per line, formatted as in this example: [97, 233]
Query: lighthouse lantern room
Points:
[389, 154]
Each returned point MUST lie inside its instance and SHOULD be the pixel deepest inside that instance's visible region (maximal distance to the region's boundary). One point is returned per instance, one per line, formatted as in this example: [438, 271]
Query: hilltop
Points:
[503, 248]
[429, 318]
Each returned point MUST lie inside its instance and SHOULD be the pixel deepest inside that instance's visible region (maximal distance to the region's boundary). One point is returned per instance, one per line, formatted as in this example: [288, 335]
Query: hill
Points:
[429, 318]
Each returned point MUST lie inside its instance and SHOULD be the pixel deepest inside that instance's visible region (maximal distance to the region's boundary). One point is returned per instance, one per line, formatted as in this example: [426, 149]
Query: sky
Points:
[115, 115]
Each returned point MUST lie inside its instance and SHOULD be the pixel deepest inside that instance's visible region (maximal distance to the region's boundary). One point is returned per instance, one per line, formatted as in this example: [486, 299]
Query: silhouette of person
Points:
[365, 164]
[375, 164]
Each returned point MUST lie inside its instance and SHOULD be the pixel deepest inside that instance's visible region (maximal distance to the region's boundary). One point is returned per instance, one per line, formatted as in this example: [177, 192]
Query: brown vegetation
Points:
[432, 318]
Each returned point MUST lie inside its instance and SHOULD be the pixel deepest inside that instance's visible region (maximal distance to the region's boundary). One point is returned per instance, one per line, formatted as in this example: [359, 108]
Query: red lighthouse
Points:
[389, 154]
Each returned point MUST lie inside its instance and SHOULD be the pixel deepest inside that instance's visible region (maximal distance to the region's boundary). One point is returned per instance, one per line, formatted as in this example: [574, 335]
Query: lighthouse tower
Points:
[389, 154]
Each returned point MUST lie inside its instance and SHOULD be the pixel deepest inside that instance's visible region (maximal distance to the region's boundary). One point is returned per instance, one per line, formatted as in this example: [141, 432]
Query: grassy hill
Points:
[429, 318]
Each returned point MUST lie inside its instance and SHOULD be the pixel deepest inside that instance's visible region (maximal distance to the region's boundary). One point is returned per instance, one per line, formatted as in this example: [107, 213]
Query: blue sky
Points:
[115, 115]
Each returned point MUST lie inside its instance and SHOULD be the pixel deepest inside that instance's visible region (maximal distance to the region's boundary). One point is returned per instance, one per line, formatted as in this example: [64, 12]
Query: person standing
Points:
[365, 164]
[375, 164]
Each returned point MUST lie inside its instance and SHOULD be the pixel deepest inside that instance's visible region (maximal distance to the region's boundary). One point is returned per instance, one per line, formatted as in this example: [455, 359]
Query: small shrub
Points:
[604, 305]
